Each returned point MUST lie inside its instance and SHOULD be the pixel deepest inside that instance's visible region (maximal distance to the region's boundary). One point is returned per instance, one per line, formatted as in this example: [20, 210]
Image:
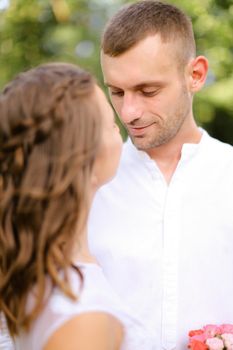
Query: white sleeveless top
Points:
[5, 340]
[96, 295]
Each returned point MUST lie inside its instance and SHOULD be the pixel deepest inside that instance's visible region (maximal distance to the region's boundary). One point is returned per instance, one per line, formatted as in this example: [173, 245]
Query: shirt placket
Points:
[171, 230]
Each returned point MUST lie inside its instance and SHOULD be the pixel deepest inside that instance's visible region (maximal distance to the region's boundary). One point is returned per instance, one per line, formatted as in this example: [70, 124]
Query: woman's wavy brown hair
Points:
[49, 136]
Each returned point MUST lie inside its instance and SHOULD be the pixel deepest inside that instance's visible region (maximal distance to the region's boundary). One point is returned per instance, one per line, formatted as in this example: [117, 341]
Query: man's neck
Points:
[168, 155]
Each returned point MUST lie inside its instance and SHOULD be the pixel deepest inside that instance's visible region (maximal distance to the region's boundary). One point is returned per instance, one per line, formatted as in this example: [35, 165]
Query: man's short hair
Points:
[134, 22]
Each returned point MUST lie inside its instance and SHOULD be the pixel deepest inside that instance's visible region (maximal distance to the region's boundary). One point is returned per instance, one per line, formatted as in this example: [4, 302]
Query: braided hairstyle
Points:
[50, 131]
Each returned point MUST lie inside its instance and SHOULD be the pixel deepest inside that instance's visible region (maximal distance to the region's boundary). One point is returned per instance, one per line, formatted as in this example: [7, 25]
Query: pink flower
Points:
[200, 337]
[215, 343]
[212, 337]
[197, 345]
[196, 332]
[226, 328]
[211, 330]
[228, 340]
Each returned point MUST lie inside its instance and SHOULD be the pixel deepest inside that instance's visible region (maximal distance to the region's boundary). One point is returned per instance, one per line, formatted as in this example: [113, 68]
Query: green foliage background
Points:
[36, 31]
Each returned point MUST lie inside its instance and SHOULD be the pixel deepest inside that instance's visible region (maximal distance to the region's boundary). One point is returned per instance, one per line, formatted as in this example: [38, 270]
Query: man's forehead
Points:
[137, 73]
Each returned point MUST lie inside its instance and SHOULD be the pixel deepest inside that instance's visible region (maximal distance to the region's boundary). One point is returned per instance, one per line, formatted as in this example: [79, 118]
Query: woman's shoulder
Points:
[99, 296]
[95, 303]
[89, 331]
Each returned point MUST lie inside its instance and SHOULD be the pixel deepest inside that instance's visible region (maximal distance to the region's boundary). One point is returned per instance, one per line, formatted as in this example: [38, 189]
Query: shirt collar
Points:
[187, 152]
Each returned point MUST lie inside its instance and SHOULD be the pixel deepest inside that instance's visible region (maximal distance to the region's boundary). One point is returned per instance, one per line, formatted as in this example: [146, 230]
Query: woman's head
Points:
[51, 131]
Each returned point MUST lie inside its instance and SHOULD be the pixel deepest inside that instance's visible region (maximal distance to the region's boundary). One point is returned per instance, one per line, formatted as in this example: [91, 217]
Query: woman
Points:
[58, 144]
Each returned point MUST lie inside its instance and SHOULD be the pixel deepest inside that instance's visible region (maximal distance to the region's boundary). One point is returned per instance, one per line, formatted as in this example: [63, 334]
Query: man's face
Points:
[149, 92]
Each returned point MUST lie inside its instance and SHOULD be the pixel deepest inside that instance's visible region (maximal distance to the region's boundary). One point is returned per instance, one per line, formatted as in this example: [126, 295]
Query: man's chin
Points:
[141, 143]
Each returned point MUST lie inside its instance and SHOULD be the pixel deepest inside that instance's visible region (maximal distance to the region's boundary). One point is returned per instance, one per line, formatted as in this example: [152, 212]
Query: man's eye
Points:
[117, 93]
[150, 93]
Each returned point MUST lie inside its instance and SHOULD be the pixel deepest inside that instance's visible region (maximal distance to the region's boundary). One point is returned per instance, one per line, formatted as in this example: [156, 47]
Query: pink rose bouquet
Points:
[212, 337]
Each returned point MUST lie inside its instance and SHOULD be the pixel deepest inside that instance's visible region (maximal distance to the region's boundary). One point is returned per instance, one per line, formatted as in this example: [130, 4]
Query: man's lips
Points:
[138, 130]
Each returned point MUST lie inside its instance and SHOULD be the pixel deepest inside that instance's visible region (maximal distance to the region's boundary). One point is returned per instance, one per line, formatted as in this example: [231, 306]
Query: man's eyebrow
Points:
[140, 85]
[148, 84]
[110, 85]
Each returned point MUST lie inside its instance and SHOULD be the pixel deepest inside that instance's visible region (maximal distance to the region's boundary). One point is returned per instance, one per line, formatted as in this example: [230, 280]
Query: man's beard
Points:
[165, 130]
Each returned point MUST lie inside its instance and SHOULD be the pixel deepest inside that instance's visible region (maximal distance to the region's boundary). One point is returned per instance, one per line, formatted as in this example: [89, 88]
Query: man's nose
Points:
[130, 109]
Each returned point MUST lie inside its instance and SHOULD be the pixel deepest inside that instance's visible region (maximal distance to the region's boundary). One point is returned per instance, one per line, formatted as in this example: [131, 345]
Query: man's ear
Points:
[197, 71]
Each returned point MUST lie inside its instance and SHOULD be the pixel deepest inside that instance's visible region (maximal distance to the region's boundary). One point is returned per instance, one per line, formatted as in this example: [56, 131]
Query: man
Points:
[163, 228]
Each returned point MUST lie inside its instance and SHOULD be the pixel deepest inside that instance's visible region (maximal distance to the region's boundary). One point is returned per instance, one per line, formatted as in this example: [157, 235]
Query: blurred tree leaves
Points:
[36, 31]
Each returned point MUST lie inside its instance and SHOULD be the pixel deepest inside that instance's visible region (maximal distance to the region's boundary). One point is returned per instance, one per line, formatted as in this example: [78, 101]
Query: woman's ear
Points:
[197, 70]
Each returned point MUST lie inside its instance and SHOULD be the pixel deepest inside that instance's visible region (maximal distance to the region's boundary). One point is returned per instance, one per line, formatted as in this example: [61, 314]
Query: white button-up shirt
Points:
[168, 249]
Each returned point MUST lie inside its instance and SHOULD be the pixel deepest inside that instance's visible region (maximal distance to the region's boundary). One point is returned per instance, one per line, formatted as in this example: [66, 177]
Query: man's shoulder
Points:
[217, 158]
[218, 149]
[220, 143]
